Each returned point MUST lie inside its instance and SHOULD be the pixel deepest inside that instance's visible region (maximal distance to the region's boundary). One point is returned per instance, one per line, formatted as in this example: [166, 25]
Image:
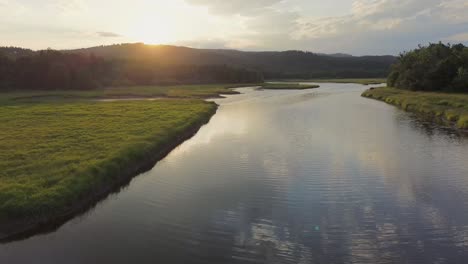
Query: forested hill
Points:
[140, 64]
[15, 52]
[286, 64]
[56, 70]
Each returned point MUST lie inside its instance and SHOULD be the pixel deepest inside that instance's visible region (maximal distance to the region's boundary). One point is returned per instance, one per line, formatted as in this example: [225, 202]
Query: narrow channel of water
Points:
[312, 176]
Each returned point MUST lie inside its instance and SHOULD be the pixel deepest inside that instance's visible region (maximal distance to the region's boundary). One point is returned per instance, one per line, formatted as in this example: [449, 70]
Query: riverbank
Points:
[288, 86]
[446, 108]
[60, 158]
[202, 91]
[363, 81]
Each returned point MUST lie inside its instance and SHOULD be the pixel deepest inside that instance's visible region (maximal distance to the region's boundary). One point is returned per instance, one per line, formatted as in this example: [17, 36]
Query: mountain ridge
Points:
[273, 64]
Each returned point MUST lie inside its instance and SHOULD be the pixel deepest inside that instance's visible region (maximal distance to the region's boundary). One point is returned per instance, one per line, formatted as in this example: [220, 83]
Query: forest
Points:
[55, 70]
[291, 64]
[436, 67]
[141, 64]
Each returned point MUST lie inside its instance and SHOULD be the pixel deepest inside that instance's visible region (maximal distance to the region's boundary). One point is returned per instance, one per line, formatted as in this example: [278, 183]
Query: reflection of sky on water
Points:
[313, 176]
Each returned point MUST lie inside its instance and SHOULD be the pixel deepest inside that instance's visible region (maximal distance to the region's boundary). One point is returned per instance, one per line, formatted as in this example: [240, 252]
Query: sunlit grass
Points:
[54, 154]
[452, 108]
[363, 81]
[176, 91]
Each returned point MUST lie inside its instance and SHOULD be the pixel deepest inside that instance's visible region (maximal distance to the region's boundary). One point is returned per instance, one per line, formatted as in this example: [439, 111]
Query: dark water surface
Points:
[315, 176]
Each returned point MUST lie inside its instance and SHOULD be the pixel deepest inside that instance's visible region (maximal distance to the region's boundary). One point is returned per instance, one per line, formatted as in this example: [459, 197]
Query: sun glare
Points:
[152, 30]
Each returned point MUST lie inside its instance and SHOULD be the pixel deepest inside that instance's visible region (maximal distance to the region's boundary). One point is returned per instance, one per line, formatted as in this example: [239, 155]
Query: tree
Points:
[431, 68]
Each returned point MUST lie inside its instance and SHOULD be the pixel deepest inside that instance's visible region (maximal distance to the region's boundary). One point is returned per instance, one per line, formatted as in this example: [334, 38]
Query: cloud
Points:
[462, 37]
[348, 26]
[385, 26]
[70, 5]
[370, 27]
[454, 11]
[108, 34]
[234, 7]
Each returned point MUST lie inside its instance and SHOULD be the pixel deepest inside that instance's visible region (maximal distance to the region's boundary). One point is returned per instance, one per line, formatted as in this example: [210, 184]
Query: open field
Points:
[288, 86]
[443, 107]
[364, 81]
[55, 155]
[177, 91]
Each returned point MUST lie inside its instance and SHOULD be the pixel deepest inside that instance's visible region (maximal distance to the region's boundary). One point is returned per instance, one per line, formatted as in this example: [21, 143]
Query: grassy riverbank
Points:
[443, 107]
[58, 155]
[363, 81]
[288, 86]
[175, 91]
[55, 154]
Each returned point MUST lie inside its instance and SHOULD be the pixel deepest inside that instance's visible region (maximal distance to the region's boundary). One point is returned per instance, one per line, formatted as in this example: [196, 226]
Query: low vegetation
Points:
[444, 107]
[358, 81]
[149, 91]
[56, 154]
[363, 81]
[288, 86]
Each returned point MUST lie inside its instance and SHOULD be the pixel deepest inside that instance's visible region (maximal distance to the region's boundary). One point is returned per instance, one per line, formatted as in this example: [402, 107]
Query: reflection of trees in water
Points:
[430, 127]
[284, 181]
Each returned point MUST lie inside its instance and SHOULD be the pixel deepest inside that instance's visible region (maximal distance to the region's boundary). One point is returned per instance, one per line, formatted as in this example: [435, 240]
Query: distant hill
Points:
[285, 64]
[338, 55]
[15, 52]
[281, 64]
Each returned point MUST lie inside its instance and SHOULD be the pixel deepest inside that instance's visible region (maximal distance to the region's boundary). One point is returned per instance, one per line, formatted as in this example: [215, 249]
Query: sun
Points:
[152, 30]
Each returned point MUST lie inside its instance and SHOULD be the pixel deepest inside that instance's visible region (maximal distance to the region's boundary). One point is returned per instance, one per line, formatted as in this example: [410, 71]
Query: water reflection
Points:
[315, 176]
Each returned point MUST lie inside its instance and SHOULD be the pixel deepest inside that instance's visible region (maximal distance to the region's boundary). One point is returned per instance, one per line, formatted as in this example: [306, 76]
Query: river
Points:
[311, 176]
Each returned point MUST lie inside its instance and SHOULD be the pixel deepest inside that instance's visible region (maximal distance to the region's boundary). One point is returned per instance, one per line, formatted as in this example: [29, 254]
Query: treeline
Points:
[54, 70]
[285, 64]
[15, 52]
[436, 67]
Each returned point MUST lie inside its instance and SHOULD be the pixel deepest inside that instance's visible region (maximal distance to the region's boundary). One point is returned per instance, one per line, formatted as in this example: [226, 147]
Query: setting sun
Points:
[152, 30]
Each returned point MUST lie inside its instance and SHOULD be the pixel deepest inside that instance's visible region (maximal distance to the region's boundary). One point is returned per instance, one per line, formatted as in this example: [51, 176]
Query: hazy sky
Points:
[351, 26]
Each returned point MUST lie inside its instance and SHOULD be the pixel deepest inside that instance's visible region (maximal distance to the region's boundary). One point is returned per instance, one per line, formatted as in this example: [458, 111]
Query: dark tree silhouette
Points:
[54, 70]
[436, 67]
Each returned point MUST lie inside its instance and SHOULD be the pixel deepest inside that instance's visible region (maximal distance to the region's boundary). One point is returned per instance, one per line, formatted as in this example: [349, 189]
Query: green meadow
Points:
[57, 152]
[363, 81]
[446, 107]
[163, 91]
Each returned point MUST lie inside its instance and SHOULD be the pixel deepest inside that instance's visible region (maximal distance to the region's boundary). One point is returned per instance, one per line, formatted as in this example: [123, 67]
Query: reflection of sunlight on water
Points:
[319, 176]
[276, 166]
[227, 123]
[264, 240]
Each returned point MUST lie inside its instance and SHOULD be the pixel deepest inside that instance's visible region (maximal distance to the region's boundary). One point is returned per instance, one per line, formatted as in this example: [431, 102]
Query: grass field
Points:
[54, 154]
[364, 81]
[445, 107]
[177, 91]
[288, 86]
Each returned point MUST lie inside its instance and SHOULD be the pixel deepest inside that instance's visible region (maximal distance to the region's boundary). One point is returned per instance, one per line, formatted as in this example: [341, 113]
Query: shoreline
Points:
[439, 110]
[288, 86]
[362, 81]
[129, 97]
[19, 229]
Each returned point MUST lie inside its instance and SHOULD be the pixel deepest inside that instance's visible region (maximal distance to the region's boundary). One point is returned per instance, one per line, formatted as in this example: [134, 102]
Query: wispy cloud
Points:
[462, 37]
[106, 34]
[235, 7]
[371, 26]
[349, 26]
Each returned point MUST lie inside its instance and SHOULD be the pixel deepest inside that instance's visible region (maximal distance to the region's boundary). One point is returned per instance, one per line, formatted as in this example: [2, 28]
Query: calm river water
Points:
[313, 176]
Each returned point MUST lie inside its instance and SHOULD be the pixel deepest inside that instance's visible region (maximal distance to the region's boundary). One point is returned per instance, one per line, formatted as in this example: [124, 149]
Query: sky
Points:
[358, 27]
